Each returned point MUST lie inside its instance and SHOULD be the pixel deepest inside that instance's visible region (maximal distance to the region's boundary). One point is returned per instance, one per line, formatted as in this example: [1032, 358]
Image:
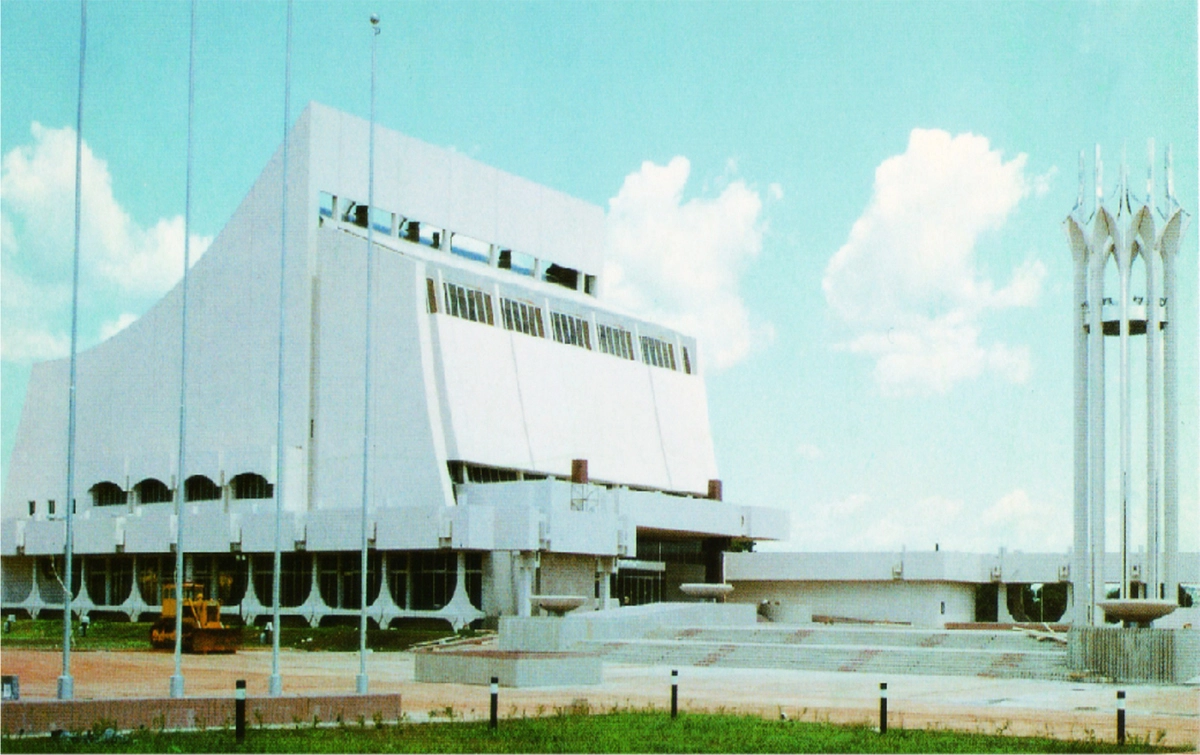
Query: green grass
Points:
[613, 732]
[124, 635]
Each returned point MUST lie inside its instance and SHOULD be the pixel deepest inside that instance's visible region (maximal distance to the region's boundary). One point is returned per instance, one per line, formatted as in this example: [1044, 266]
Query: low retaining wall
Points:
[1135, 655]
[512, 669]
[45, 716]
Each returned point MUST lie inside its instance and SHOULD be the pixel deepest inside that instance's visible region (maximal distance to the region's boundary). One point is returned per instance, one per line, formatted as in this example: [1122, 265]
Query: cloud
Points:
[859, 522]
[680, 261]
[122, 264]
[112, 327]
[906, 283]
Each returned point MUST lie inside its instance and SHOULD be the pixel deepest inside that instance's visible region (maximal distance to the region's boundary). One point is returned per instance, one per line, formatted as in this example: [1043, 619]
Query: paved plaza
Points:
[1058, 708]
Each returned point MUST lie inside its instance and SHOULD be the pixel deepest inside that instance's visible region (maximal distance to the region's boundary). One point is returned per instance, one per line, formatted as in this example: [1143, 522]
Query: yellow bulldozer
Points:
[203, 631]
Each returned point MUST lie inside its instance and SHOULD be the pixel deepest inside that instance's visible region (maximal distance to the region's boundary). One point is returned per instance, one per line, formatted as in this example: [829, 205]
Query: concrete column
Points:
[1168, 248]
[605, 591]
[1002, 614]
[1080, 567]
[1124, 265]
[1098, 256]
[1153, 403]
[524, 576]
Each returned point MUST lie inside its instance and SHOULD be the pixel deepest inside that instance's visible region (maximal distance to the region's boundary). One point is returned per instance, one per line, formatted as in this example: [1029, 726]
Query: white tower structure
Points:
[1116, 234]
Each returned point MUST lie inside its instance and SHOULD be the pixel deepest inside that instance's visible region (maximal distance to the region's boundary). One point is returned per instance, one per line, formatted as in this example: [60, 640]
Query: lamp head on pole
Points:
[375, 23]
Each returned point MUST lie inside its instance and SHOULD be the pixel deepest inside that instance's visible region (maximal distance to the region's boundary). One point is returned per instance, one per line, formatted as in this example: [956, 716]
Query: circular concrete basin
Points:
[558, 604]
[1134, 610]
[705, 591]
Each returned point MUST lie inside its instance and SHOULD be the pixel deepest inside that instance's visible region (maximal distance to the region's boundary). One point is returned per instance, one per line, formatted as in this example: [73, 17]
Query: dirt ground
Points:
[1060, 709]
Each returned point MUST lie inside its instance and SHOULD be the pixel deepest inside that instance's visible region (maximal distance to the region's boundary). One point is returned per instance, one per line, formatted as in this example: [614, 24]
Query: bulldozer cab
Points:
[194, 605]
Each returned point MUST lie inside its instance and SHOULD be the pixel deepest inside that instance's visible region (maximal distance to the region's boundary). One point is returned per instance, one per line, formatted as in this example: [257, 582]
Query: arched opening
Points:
[151, 490]
[249, 485]
[108, 494]
[200, 488]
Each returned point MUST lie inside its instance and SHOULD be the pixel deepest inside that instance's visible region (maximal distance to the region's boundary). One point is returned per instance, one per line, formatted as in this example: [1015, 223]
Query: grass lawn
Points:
[650, 732]
[46, 634]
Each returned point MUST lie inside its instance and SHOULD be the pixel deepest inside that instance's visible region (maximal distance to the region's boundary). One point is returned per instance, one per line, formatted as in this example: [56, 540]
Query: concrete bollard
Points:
[674, 693]
[883, 707]
[494, 720]
[1121, 717]
[239, 711]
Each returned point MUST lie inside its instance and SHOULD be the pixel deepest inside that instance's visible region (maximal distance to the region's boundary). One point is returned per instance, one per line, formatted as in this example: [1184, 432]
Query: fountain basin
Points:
[1136, 610]
[558, 604]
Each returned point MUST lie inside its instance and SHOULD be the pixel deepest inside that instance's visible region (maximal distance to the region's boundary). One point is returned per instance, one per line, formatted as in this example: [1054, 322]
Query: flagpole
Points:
[361, 680]
[275, 682]
[66, 684]
[176, 685]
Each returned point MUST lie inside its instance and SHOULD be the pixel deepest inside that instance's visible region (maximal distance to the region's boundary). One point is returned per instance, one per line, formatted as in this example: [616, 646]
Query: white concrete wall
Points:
[918, 603]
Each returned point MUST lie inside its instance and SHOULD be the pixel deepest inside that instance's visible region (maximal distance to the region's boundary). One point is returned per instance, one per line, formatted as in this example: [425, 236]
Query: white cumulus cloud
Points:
[680, 261]
[906, 282]
[121, 261]
[860, 522]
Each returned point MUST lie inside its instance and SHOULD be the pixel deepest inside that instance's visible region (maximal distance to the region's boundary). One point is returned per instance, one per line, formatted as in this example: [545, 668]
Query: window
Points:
[615, 341]
[200, 488]
[658, 353]
[431, 295]
[108, 494]
[357, 214]
[381, 221]
[250, 485]
[472, 249]
[32, 508]
[325, 204]
[570, 330]
[687, 363]
[477, 473]
[522, 317]
[421, 233]
[563, 276]
[515, 261]
[589, 285]
[50, 507]
[151, 490]
[468, 303]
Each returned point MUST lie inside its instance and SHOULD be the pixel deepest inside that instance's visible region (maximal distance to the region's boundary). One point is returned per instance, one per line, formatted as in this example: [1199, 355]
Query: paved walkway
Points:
[1057, 708]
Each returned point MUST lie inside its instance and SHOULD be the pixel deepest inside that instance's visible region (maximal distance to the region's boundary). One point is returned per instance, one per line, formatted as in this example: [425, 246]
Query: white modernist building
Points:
[525, 438]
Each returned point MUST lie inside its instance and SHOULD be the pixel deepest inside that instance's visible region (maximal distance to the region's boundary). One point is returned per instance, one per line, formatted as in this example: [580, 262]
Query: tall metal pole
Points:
[66, 684]
[361, 680]
[176, 686]
[275, 682]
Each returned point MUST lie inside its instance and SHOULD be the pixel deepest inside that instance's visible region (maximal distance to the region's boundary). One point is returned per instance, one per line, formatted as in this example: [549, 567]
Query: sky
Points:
[856, 206]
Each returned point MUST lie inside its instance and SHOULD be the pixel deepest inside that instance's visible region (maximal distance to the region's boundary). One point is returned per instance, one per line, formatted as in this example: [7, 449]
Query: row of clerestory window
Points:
[394, 225]
[245, 486]
[473, 304]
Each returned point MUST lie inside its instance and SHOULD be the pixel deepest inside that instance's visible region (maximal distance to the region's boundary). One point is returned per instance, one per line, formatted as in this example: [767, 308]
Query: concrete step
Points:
[865, 636]
[1031, 664]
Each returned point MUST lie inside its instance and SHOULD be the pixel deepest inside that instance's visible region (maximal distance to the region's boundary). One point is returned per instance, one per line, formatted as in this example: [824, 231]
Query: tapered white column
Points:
[1081, 579]
[1124, 255]
[1100, 247]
